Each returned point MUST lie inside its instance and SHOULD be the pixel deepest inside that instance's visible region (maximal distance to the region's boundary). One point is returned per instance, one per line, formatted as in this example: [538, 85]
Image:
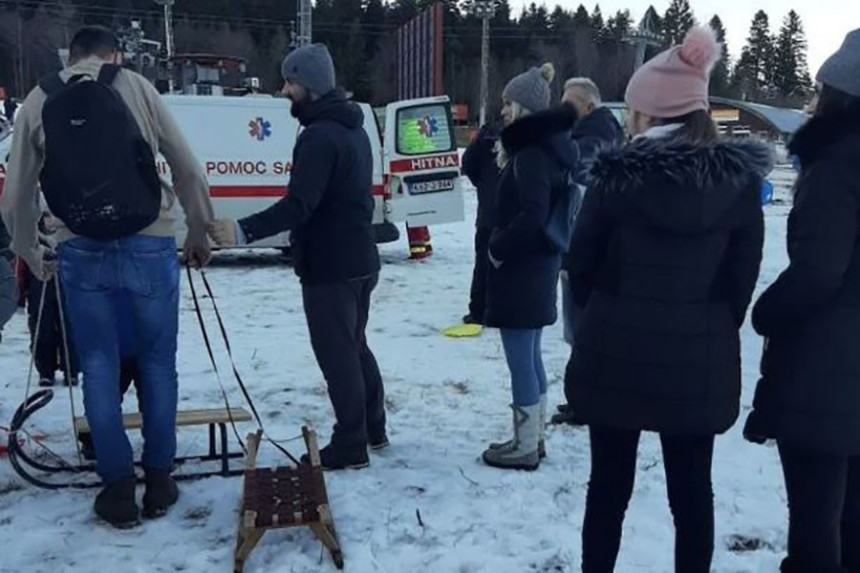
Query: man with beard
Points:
[329, 211]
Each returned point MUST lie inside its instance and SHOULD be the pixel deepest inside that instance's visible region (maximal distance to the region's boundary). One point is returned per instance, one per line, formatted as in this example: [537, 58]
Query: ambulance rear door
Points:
[422, 163]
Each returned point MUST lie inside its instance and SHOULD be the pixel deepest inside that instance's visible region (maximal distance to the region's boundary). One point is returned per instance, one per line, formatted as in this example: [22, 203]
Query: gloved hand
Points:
[223, 232]
[49, 264]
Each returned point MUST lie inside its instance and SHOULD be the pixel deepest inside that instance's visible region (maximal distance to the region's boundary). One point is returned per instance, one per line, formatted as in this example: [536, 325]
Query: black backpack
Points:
[99, 175]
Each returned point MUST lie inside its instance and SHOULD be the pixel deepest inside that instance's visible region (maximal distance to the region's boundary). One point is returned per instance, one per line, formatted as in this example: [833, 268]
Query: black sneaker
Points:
[116, 505]
[74, 381]
[46, 382]
[379, 442]
[470, 319]
[333, 459]
[565, 417]
[88, 449]
[161, 493]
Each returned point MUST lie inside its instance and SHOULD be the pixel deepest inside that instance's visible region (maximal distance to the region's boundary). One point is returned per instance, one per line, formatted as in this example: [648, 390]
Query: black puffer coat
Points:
[522, 292]
[809, 393]
[479, 165]
[664, 259]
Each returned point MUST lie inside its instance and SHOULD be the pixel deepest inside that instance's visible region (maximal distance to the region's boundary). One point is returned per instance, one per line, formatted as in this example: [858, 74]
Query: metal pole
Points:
[168, 39]
[485, 69]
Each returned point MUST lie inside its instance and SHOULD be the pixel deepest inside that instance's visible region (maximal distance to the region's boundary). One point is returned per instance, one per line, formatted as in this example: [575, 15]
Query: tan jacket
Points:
[20, 202]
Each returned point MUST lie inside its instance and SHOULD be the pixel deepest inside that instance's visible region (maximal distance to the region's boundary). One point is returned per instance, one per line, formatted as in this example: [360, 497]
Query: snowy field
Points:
[426, 504]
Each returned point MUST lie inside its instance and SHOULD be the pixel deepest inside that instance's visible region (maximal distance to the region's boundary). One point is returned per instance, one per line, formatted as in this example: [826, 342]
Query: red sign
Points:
[426, 163]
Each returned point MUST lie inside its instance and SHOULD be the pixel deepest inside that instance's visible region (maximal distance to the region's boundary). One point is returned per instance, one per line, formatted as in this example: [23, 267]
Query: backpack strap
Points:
[108, 74]
[52, 84]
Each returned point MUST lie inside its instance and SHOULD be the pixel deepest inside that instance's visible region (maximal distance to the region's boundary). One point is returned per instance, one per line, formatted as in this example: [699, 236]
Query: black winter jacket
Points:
[522, 292]
[596, 132]
[809, 393]
[329, 208]
[479, 165]
[664, 260]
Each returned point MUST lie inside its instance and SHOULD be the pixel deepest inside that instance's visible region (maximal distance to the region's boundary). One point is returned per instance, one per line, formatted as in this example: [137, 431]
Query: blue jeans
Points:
[108, 283]
[528, 377]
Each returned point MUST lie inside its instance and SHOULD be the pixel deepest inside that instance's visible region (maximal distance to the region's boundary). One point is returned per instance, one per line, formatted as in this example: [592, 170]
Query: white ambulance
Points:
[245, 145]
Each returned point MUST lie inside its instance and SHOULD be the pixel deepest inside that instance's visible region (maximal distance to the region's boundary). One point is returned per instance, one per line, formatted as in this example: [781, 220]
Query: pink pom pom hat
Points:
[675, 82]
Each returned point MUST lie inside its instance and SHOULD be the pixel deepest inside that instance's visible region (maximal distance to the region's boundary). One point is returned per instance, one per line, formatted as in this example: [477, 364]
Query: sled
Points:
[26, 465]
[284, 497]
[463, 331]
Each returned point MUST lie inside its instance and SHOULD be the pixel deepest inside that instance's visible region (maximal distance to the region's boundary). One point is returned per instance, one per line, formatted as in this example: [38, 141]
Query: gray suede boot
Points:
[521, 453]
[541, 442]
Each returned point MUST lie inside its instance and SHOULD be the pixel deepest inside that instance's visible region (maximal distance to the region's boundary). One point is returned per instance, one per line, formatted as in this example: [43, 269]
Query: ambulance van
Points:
[245, 145]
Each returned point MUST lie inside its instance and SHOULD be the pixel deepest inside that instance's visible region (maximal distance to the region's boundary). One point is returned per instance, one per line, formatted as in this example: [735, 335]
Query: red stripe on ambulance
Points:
[259, 191]
[425, 163]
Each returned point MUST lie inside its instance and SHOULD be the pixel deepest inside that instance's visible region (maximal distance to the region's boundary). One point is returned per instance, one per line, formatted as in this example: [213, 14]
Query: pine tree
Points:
[582, 19]
[720, 75]
[754, 72]
[791, 73]
[598, 26]
[677, 21]
[620, 25]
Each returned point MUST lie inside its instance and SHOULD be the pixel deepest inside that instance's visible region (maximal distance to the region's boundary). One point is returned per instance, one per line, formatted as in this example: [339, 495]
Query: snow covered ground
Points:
[427, 503]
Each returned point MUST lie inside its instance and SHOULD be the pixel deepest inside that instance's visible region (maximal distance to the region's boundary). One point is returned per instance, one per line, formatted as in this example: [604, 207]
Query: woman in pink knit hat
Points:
[664, 260]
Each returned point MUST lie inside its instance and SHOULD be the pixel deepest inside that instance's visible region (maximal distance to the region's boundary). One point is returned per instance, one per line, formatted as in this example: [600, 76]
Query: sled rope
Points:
[236, 374]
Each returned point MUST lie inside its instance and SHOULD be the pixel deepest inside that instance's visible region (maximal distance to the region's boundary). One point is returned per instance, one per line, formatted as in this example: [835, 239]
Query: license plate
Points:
[432, 186]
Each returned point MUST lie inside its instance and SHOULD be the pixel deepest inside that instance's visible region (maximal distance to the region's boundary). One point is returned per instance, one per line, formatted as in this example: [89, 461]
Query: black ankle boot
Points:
[116, 505]
[161, 493]
[335, 458]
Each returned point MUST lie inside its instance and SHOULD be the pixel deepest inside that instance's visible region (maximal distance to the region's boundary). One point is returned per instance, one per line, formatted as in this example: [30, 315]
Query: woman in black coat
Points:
[664, 260]
[535, 154]
[809, 396]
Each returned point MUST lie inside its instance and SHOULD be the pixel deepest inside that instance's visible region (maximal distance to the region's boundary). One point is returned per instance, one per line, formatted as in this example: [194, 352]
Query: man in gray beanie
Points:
[329, 210]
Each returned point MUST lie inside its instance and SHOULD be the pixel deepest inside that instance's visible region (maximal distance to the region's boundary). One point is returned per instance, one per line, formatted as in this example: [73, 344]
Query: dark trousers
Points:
[824, 510]
[477, 306]
[337, 316]
[687, 461]
[47, 344]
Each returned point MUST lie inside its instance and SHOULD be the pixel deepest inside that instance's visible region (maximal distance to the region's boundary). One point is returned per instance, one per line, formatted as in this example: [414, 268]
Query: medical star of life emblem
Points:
[259, 128]
[428, 126]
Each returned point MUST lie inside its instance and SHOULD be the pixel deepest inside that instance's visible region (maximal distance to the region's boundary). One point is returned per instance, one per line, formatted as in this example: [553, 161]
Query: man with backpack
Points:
[89, 136]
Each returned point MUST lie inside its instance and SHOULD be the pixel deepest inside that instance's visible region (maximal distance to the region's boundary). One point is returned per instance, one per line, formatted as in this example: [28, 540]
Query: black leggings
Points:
[824, 509]
[687, 460]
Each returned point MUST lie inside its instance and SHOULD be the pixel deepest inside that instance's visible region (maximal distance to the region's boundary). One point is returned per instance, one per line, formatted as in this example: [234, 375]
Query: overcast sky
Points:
[826, 21]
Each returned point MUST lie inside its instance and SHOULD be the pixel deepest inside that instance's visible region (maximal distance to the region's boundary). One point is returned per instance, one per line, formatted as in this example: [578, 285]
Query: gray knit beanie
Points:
[311, 67]
[842, 69]
[531, 89]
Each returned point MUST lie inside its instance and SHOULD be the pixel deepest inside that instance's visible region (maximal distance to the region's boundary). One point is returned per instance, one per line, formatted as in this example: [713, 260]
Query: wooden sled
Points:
[279, 498]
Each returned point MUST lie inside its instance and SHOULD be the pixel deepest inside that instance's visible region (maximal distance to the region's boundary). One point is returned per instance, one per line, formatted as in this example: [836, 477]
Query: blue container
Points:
[767, 192]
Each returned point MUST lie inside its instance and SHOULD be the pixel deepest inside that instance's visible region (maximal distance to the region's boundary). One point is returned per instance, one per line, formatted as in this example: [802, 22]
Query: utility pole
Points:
[485, 10]
[168, 38]
[306, 24]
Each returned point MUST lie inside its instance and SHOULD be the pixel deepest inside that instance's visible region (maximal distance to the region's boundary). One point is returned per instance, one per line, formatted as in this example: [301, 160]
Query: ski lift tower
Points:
[647, 34]
[305, 35]
[168, 38]
[485, 10]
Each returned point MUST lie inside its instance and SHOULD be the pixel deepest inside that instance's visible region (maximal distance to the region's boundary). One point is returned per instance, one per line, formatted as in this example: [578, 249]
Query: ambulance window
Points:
[424, 129]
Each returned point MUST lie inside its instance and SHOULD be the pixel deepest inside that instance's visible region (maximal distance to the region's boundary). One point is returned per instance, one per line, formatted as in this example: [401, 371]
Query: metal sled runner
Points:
[28, 466]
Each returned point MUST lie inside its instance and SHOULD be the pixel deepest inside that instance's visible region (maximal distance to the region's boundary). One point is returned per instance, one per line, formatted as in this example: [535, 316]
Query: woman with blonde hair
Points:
[535, 153]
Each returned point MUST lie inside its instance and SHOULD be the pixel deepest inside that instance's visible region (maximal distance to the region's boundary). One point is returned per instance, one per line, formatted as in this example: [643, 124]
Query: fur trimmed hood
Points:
[550, 129]
[821, 133]
[681, 186]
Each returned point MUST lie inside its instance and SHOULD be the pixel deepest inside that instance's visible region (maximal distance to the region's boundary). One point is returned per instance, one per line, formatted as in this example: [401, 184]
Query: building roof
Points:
[785, 121]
